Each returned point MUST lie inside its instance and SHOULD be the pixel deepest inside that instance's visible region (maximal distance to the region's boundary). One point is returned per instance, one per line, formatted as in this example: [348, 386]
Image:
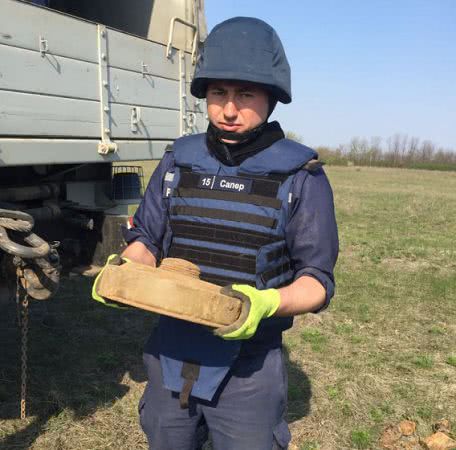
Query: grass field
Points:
[384, 351]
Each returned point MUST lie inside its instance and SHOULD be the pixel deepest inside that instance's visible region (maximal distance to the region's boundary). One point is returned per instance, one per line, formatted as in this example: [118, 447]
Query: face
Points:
[236, 106]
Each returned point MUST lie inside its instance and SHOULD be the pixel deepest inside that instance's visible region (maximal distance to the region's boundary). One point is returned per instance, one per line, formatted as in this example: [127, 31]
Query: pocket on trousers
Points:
[282, 436]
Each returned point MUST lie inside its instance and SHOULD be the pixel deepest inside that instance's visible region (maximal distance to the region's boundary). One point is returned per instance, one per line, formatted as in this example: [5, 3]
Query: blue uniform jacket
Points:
[311, 233]
[307, 226]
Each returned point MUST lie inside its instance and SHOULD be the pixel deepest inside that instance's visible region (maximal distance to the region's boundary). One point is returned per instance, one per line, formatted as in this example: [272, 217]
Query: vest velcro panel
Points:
[221, 280]
[218, 218]
[275, 272]
[222, 234]
[277, 254]
[259, 200]
[215, 258]
[223, 214]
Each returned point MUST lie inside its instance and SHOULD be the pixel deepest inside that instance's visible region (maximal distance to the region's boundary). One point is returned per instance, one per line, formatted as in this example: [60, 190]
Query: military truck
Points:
[86, 88]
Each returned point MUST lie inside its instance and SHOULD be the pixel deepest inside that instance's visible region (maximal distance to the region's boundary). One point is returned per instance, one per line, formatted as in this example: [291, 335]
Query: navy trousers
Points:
[247, 413]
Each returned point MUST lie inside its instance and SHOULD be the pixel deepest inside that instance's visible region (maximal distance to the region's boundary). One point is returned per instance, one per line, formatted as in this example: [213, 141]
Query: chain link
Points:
[24, 342]
[23, 316]
[16, 224]
[18, 299]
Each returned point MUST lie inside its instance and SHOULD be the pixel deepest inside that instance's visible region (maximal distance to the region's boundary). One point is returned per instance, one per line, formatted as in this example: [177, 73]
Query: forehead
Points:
[236, 85]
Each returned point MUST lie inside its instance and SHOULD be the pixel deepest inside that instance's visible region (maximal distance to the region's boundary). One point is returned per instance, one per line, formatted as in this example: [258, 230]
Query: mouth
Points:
[229, 126]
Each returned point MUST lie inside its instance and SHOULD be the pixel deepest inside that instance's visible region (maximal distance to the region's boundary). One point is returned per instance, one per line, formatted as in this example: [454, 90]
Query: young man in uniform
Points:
[255, 212]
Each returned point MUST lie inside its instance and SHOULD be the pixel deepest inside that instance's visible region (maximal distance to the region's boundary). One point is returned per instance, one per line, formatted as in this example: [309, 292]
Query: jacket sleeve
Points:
[151, 218]
[311, 232]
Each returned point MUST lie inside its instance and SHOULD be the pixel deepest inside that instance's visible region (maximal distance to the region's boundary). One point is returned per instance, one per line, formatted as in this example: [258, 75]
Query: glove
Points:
[112, 259]
[256, 305]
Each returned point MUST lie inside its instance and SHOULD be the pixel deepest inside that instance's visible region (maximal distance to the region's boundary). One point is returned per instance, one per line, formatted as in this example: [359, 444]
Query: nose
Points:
[230, 110]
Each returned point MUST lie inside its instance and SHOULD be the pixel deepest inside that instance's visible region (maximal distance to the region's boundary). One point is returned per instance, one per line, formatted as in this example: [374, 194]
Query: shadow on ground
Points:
[79, 353]
[299, 391]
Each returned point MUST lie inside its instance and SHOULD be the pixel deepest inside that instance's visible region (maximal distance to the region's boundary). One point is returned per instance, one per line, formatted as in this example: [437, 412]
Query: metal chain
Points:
[23, 313]
[18, 300]
[24, 342]
[16, 224]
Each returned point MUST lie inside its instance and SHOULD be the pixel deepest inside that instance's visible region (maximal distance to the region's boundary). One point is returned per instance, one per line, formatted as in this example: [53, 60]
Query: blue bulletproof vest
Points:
[230, 221]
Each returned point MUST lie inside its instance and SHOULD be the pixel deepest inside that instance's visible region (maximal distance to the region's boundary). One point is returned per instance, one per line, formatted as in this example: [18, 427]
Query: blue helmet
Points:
[244, 49]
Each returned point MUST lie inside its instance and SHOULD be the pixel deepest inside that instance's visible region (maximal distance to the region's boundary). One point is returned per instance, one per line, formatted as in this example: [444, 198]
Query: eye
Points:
[217, 92]
[247, 94]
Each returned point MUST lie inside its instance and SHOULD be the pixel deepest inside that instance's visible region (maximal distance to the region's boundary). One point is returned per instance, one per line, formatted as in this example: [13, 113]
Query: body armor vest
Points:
[230, 221]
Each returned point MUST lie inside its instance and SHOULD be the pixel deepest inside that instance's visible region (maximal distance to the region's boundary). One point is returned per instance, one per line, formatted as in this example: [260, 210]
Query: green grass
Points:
[361, 438]
[379, 412]
[436, 330]
[423, 361]
[451, 360]
[315, 338]
[383, 351]
[424, 412]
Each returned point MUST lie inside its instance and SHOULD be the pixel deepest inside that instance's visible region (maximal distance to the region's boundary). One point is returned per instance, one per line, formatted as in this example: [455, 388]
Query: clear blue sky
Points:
[362, 68]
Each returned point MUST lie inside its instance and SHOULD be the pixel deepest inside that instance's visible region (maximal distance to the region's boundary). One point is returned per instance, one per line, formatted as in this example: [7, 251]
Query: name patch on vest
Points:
[222, 183]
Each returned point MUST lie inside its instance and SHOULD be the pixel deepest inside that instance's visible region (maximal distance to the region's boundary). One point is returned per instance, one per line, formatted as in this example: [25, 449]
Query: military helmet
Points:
[244, 49]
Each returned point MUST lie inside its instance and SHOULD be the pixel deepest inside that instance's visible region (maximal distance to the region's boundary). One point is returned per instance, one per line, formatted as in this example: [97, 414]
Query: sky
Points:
[362, 68]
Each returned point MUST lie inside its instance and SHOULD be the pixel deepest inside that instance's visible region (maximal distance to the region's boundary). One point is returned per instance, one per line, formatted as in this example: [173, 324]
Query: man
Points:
[255, 212]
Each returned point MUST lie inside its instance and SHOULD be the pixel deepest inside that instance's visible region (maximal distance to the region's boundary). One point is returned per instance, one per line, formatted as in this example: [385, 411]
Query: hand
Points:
[112, 259]
[256, 305]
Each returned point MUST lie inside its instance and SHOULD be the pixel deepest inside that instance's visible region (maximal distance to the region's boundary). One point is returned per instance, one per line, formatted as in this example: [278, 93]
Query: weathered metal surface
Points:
[27, 71]
[140, 51]
[56, 88]
[61, 31]
[154, 123]
[22, 24]
[31, 115]
[22, 152]
[43, 115]
[133, 88]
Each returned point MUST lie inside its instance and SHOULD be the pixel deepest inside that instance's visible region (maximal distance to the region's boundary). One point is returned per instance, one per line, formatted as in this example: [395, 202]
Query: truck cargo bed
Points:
[67, 84]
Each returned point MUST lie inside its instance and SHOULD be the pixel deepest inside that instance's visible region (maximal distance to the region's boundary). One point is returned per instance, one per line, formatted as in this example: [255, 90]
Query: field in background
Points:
[384, 351]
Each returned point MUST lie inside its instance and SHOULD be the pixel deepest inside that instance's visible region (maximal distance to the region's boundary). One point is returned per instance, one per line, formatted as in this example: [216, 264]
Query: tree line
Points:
[398, 150]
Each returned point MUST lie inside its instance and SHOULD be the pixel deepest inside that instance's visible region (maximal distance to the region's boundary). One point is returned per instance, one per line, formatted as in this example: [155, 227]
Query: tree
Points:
[293, 136]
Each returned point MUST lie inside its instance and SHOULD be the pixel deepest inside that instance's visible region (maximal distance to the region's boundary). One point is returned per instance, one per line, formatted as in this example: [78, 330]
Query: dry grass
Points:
[384, 351]
[389, 335]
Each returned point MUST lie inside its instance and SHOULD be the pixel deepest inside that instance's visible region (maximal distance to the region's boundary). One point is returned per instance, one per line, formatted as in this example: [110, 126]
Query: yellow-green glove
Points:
[256, 305]
[112, 259]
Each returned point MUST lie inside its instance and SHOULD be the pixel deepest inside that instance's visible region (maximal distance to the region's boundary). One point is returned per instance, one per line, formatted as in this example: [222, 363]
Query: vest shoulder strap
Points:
[189, 149]
[282, 157]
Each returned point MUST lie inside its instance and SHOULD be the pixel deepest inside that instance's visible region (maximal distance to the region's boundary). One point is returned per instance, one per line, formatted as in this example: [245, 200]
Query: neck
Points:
[243, 145]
